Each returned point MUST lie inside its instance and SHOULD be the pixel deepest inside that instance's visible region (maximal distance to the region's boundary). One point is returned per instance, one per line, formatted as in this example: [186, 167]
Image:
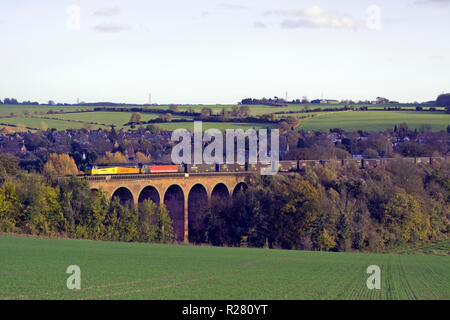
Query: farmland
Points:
[33, 268]
[375, 119]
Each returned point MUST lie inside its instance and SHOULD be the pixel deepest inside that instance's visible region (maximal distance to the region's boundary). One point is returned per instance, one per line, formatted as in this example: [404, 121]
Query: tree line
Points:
[334, 209]
[36, 204]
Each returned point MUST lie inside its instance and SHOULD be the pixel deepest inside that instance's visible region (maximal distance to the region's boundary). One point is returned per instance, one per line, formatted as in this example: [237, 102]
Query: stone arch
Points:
[149, 193]
[240, 186]
[220, 192]
[124, 194]
[174, 201]
[197, 204]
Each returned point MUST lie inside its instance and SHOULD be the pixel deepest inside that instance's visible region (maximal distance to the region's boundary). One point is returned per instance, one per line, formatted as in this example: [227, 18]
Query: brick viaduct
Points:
[182, 194]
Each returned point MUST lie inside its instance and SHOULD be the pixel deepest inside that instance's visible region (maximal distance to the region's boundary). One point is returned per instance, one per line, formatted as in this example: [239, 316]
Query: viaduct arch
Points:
[184, 195]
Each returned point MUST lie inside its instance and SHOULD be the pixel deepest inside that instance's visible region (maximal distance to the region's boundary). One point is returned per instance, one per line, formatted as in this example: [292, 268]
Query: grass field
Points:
[216, 125]
[441, 247]
[108, 118]
[351, 120]
[57, 124]
[376, 120]
[33, 268]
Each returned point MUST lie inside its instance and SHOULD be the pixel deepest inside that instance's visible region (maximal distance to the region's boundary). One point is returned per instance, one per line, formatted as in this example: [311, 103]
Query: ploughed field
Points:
[33, 268]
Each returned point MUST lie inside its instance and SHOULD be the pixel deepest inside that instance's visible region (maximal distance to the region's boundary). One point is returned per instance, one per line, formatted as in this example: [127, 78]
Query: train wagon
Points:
[425, 160]
[201, 168]
[371, 163]
[330, 163]
[435, 160]
[162, 168]
[308, 163]
[94, 170]
[254, 167]
[356, 162]
[287, 166]
[235, 167]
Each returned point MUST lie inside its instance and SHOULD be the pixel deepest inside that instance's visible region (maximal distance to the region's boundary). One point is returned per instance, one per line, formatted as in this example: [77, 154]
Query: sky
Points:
[220, 51]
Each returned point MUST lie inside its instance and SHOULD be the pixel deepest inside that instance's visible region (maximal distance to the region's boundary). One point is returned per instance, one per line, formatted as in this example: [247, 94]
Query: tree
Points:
[9, 165]
[109, 157]
[206, 113]
[190, 110]
[60, 164]
[344, 233]
[141, 158]
[165, 229]
[136, 117]
[153, 128]
[174, 108]
[325, 241]
[244, 111]
[443, 100]
[148, 222]
[403, 220]
[298, 210]
[112, 134]
[166, 117]
[292, 121]
[10, 207]
[284, 127]
[370, 154]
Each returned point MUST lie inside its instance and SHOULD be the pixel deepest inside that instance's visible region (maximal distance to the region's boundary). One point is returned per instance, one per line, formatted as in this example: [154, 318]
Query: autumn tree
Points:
[292, 121]
[60, 164]
[109, 157]
[10, 207]
[325, 241]
[174, 108]
[141, 158]
[206, 113]
[136, 117]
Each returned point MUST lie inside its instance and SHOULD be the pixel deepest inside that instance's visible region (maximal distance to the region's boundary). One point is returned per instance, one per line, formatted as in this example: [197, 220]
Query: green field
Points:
[33, 268]
[216, 125]
[351, 120]
[36, 123]
[107, 118]
[376, 120]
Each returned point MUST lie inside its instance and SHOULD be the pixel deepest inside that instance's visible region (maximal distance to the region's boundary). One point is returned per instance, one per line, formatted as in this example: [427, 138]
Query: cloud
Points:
[260, 25]
[112, 28]
[314, 17]
[107, 12]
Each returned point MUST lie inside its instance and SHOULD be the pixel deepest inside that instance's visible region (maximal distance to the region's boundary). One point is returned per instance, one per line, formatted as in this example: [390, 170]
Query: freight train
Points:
[284, 166]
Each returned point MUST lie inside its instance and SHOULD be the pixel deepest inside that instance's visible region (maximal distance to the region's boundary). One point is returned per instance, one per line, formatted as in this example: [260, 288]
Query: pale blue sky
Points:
[220, 51]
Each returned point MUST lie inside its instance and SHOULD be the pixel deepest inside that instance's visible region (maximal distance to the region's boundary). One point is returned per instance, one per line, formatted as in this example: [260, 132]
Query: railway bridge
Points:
[183, 194]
